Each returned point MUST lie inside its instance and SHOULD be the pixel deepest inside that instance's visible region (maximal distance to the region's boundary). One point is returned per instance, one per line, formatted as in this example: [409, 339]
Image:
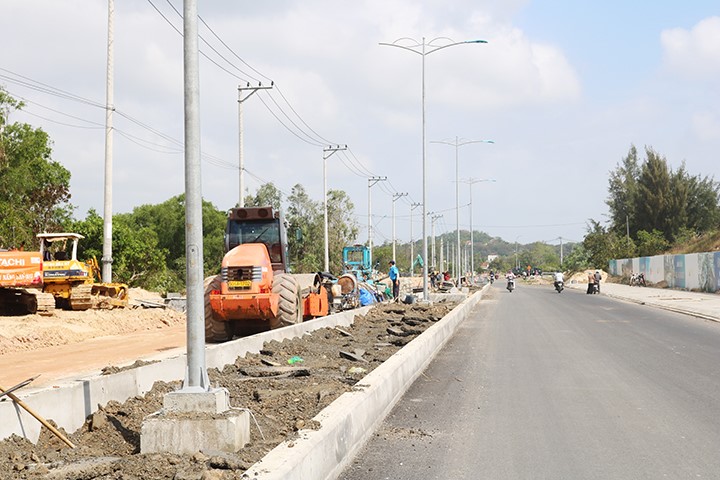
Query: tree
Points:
[654, 190]
[342, 226]
[652, 197]
[267, 194]
[305, 236]
[34, 189]
[137, 258]
[149, 243]
[601, 246]
[651, 243]
[577, 260]
[167, 220]
[703, 204]
[623, 192]
[544, 257]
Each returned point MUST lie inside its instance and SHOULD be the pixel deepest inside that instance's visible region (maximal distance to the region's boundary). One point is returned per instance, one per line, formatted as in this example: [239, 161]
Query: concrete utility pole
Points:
[394, 198]
[447, 257]
[442, 254]
[413, 206]
[106, 259]
[432, 232]
[241, 154]
[371, 181]
[327, 153]
[214, 425]
[196, 376]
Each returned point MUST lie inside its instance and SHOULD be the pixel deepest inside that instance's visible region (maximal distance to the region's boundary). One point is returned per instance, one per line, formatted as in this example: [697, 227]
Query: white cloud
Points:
[509, 71]
[706, 126]
[694, 53]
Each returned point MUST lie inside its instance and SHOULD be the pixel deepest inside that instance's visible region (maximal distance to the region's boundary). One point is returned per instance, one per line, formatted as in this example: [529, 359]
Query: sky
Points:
[562, 89]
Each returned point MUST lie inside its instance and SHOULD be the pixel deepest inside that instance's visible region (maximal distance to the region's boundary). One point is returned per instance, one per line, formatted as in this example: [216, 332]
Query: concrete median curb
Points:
[352, 418]
[69, 402]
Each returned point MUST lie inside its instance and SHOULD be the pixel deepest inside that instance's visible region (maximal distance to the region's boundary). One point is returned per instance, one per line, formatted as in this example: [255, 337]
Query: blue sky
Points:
[563, 88]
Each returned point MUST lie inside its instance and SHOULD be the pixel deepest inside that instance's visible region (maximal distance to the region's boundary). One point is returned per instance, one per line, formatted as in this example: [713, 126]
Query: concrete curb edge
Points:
[352, 418]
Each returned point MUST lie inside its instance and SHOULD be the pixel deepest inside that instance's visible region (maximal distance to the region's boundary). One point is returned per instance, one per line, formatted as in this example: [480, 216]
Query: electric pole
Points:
[327, 153]
[371, 181]
[241, 157]
[106, 258]
[394, 198]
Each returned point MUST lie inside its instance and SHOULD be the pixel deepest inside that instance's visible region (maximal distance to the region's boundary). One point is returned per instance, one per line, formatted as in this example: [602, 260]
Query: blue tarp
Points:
[366, 297]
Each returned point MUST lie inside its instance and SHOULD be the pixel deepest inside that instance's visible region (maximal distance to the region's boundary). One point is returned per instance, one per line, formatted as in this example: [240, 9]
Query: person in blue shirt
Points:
[395, 279]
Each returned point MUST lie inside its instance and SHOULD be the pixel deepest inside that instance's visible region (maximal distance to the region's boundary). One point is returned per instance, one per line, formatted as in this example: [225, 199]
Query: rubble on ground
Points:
[284, 386]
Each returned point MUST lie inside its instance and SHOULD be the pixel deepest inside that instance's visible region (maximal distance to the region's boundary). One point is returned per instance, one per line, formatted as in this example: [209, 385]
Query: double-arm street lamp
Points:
[457, 144]
[471, 182]
[423, 49]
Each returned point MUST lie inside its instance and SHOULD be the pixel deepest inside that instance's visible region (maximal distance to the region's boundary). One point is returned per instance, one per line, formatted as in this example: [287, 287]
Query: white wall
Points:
[694, 271]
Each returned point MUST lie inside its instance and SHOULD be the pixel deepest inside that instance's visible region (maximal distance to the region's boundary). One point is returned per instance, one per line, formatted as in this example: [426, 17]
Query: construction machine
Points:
[21, 284]
[356, 261]
[73, 282]
[255, 289]
[358, 275]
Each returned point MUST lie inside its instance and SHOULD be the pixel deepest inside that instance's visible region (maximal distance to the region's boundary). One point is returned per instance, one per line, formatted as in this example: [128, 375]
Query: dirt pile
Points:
[30, 332]
[284, 386]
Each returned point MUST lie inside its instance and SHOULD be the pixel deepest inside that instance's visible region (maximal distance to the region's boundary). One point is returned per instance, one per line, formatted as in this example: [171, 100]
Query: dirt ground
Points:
[31, 332]
[107, 446]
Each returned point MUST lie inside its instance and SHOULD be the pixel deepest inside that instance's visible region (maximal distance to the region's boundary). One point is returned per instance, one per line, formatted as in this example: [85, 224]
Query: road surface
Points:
[540, 385]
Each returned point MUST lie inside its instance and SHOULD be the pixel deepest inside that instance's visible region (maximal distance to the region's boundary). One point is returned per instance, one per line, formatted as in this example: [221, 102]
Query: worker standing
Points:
[395, 279]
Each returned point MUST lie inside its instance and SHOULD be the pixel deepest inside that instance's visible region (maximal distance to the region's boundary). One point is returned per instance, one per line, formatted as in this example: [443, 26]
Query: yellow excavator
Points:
[73, 282]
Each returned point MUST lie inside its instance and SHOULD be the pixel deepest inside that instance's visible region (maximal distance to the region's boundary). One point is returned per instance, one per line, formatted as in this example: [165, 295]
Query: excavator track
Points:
[20, 301]
[45, 303]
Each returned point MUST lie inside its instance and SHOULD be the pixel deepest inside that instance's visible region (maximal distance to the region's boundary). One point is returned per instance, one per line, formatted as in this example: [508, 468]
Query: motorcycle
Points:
[510, 284]
[559, 286]
[637, 279]
[492, 279]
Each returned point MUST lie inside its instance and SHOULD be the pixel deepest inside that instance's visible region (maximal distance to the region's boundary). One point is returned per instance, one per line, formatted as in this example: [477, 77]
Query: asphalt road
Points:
[540, 385]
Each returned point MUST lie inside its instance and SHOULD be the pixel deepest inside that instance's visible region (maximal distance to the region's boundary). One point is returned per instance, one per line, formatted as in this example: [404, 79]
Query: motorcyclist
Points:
[558, 279]
[510, 280]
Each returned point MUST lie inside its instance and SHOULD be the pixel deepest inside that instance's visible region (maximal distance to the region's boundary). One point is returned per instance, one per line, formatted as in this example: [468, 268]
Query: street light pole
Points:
[371, 181]
[327, 153]
[395, 197]
[457, 144]
[420, 49]
[471, 182]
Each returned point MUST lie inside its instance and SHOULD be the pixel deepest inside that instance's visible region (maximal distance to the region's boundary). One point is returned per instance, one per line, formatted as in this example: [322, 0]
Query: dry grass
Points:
[707, 242]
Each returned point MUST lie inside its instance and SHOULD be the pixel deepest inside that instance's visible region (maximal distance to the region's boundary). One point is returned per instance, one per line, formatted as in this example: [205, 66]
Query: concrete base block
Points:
[216, 400]
[188, 433]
